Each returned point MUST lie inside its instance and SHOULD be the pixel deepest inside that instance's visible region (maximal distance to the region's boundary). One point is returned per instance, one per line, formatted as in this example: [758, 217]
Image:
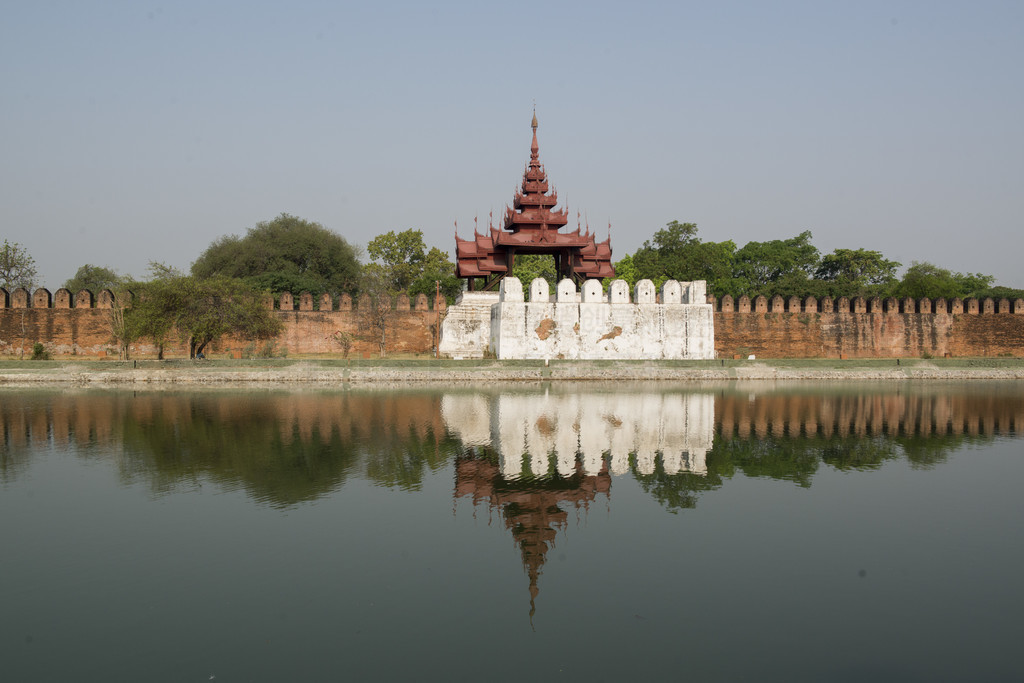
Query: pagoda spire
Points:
[534, 148]
[532, 225]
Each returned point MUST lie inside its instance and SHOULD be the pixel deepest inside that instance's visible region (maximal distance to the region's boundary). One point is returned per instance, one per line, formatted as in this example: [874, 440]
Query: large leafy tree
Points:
[666, 254]
[17, 267]
[437, 271]
[926, 280]
[402, 263]
[94, 278]
[776, 267]
[857, 272]
[676, 253]
[199, 310]
[400, 256]
[287, 254]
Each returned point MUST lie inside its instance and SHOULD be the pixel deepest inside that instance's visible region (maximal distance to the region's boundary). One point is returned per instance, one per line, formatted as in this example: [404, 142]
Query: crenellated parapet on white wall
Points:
[591, 324]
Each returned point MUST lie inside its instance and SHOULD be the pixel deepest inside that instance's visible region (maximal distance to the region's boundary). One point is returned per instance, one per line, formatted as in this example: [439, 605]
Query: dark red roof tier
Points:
[532, 225]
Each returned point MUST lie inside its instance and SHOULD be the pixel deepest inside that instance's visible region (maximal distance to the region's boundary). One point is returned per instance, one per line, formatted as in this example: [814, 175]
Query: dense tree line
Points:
[794, 267]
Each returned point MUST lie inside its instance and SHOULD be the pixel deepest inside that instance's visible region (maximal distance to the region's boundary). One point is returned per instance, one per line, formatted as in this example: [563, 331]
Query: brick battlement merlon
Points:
[64, 299]
[875, 305]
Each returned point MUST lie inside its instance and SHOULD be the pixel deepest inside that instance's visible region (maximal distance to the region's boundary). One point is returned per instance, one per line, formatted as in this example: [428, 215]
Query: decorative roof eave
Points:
[533, 225]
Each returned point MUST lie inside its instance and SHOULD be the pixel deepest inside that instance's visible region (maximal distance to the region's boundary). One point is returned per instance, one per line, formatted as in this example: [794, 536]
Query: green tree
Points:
[122, 331]
[287, 254]
[153, 315]
[776, 267]
[676, 253]
[93, 278]
[857, 272]
[1001, 293]
[17, 267]
[200, 311]
[377, 320]
[402, 263]
[400, 255]
[665, 256]
[163, 271]
[436, 268]
[529, 267]
[625, 269]
[926, 280]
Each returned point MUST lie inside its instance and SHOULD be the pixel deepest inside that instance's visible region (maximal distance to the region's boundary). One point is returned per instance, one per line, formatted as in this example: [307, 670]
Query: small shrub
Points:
[926, 356]
[39, 352]
[266, 351]
[271, 350]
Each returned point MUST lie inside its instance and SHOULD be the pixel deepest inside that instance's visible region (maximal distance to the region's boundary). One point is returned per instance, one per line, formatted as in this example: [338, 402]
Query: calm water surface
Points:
[588, 532]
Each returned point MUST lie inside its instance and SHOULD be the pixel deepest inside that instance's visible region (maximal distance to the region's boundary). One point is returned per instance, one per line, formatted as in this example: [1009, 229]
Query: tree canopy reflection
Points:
[286, 447]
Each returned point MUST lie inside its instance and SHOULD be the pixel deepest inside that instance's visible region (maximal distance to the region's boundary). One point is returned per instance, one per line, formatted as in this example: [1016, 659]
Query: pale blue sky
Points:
[138, 131]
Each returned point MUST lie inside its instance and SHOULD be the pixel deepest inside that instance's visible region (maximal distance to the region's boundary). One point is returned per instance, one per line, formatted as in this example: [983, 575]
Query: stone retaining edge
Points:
[556, 373]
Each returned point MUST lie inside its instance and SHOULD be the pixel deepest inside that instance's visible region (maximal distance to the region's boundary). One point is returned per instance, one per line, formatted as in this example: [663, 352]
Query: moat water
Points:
[524, 532]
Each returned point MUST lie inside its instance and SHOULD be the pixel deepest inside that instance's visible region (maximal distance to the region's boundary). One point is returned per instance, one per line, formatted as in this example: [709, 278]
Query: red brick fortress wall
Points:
[79, 324]
[857, 328]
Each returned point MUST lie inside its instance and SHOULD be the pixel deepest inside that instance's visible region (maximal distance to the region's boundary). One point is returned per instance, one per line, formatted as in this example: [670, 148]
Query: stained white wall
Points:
[513, 324]
[592, 326]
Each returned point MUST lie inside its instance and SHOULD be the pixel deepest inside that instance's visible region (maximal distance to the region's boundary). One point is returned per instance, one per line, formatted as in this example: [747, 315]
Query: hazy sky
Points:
[139, 131]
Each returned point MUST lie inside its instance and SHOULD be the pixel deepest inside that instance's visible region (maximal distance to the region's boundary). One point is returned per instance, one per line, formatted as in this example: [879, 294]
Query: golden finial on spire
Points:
[533, 124]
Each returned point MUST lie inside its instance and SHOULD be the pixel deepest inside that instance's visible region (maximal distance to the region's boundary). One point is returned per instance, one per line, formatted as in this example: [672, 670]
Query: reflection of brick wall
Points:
[868, 413]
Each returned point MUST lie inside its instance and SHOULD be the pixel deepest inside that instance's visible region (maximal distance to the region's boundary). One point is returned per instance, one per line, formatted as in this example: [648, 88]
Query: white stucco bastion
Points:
[585, 324]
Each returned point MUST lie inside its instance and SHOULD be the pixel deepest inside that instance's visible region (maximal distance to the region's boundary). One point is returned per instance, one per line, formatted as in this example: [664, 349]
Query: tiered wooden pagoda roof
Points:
[532, 225]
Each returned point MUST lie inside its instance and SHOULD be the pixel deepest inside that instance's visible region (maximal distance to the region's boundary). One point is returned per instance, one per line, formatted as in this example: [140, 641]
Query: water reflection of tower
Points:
[533, 508]
[533, 456]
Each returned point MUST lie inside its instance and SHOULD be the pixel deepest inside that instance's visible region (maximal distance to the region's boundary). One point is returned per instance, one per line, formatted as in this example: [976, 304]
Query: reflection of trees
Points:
[400, 458]
[676, 491]
[787, 434]
[774, 431]
[283, 448]
[280, 469]
[286, 449]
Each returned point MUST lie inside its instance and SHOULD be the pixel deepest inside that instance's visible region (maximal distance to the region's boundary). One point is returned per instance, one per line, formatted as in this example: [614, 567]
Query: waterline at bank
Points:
[359, 372]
